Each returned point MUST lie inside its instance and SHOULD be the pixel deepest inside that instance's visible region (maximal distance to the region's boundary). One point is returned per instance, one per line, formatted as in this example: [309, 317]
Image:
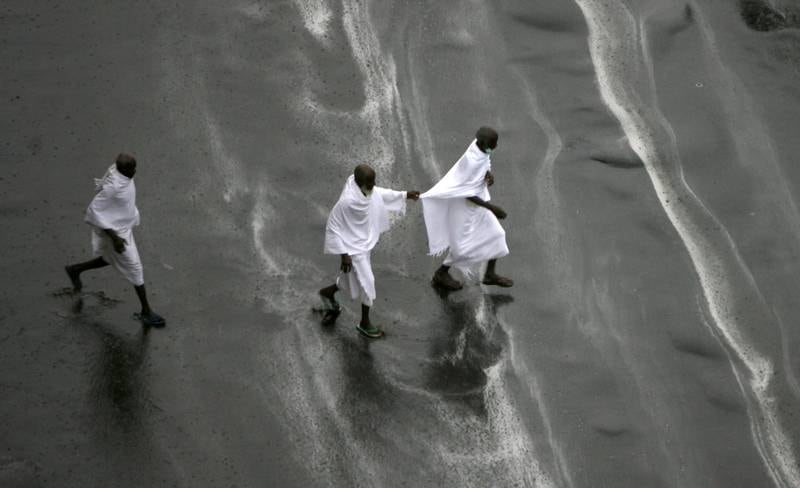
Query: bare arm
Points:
[119, 243]
[497, 211]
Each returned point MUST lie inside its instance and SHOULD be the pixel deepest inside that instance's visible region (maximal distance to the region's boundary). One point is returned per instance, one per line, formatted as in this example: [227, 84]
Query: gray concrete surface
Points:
[647, 162]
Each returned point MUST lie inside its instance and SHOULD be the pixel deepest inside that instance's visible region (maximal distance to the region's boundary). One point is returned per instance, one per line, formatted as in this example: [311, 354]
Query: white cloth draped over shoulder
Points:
[471, 233]
[354, 228]
[114, 207]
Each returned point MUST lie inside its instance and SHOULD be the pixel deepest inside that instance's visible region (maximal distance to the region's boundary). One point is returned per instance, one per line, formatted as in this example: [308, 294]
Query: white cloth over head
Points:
[114, 207]
[354, 228]
[471, 233]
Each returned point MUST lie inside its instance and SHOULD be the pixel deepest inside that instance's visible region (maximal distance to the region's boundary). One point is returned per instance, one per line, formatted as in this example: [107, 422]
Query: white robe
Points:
[354, 228]
[114, 207]
[470, 232]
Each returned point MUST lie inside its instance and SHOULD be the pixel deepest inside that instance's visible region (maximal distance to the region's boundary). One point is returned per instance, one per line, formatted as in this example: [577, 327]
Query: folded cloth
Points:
[354, 228]
[357, 221]
[471, 233]
[114, 207]
[128, 263]
[114, 204]
[359, 283]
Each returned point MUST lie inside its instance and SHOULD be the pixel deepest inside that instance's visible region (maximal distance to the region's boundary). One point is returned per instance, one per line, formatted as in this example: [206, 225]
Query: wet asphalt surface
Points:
[646, 161]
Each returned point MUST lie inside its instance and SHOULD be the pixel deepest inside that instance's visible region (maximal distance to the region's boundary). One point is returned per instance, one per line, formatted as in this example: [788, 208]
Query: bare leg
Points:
[365, 326]
[492, 278]
[365, 323]
[142, 294]
[148, 317]
[74, 271]
[490, 267]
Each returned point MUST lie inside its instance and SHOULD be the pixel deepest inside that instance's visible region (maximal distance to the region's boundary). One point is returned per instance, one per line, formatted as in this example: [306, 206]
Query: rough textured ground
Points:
[647, 163]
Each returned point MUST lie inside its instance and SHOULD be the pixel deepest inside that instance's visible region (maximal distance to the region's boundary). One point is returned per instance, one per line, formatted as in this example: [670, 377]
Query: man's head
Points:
[365, 177]
[126, 165]
[486, 139]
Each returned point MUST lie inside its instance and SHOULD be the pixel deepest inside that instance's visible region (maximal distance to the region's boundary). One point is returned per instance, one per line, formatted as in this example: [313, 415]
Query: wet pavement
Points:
[646, 163]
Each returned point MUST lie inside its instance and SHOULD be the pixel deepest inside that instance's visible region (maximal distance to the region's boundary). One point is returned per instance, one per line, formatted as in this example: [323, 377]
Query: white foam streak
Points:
[549, 226]
[421, 128]
[522, 462]
[228, 167]
[531, 379]
[616, 56]
[523, 467]
[753, 144]
[316, 17]
[263, 212]
[547, 220]
[382, 110]
[235, 185]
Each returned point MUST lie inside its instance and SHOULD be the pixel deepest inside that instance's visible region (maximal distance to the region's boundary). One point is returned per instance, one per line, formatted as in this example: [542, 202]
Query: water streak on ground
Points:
[727, 284]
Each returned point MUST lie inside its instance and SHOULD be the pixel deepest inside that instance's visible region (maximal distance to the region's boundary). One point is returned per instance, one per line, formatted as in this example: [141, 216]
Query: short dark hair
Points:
[125, 159]
[486, 135]
[362, 172]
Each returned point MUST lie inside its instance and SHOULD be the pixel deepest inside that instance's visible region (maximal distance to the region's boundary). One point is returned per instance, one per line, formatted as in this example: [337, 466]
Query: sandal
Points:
[444, 280]
[150, 320]
[373, 332]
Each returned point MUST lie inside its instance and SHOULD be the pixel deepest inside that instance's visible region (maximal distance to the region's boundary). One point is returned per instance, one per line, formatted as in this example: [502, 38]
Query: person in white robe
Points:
[112, 215]
[461, 221]
[353, 229]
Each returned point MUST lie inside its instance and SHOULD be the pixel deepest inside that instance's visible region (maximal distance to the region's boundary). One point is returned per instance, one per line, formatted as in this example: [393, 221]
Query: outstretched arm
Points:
[497, 211]
[394, 200]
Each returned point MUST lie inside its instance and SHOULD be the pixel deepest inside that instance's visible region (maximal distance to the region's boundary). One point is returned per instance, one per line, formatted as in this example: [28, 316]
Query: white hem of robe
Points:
[127, 263]
[354, 227]
[359, 283]
[483, 239]
[472, 234]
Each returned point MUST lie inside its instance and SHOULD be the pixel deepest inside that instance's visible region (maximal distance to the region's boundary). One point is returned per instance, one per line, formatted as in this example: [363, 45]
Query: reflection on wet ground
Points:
[469, 345]
[605, 371]
[119, 391]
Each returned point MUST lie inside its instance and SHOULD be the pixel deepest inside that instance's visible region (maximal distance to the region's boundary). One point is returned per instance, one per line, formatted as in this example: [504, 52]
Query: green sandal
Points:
[372, 332]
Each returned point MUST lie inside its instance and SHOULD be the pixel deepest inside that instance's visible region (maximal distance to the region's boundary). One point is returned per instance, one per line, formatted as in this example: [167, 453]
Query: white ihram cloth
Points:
[114, 207]
[354, 227]
[470, 232]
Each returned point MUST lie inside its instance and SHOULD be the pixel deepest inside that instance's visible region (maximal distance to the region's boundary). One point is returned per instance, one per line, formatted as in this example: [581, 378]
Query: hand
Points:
[499, 213]
[119, 244]
[489, 178]
[412, 195]
[347, 263]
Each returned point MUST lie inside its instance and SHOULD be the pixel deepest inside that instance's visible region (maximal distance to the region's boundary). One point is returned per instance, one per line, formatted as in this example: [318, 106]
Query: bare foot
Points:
[74, 277]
